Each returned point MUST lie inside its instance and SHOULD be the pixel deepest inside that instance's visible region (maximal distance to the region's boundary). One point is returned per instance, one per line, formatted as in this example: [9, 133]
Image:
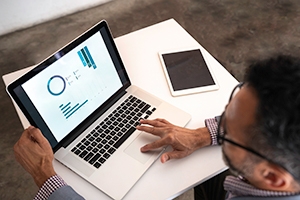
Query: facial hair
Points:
[234, 170]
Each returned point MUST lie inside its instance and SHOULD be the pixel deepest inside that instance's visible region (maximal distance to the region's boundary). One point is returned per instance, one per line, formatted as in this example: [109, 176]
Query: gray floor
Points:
[235, 32]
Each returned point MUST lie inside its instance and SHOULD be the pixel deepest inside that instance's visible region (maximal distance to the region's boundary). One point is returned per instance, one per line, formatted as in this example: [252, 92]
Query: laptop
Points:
[82, 100]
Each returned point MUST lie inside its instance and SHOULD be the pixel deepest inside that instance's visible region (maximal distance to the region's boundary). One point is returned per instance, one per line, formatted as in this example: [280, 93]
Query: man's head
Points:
[265, 117]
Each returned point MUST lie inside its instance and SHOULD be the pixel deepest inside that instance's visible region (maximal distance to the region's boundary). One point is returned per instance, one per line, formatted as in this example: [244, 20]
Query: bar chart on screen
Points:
[86, 58]
[68, 109]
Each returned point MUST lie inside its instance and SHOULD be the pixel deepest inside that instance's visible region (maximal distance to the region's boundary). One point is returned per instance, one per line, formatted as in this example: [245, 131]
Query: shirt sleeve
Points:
[212, 125]
[51, 185]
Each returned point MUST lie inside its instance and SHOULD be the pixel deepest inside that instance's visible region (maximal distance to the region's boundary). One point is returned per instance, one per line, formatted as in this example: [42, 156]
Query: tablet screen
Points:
[187, 70]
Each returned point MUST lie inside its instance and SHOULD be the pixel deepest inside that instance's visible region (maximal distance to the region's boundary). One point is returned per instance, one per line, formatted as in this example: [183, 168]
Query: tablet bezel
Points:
[190, 90]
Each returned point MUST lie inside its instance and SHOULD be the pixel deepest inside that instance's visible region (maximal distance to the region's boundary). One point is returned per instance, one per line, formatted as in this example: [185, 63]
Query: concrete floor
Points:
[234, 32]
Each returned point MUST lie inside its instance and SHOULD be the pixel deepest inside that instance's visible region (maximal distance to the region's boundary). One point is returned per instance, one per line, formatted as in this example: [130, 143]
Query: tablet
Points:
[187, 71]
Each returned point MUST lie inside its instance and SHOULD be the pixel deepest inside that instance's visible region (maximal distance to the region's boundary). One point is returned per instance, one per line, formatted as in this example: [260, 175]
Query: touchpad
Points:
[134, 148]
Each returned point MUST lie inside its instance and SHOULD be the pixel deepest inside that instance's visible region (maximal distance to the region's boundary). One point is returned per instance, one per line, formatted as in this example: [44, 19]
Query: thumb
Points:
[172, 155]
[37, 136]
[164, 157]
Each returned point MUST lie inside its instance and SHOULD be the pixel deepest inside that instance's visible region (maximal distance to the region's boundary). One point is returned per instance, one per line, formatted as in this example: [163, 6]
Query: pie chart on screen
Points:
[56, 85]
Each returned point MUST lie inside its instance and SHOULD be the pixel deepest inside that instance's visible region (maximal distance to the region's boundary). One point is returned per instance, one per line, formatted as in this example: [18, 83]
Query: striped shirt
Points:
[52, 184]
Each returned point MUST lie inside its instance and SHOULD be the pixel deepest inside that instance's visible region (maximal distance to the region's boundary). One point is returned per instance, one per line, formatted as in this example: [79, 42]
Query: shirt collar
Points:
[237, 187]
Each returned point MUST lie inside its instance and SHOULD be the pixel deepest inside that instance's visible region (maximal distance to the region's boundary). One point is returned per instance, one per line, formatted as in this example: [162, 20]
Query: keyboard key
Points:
[119, 134]
[99, 146]
[77, 152]
[145, 108]
[108, 137]
[148, 112]
[115, 138]
[123, 130]
[96, 157]
[102, 151]
[86, 143]
[97, 165]
[95, 150]
[89, 148]
[113, 133]
[88, 157]
[83, 154]
[82, 147]
[102, 160]
[104, 141]
[106, 155]
[142, 105]
[104, 126]
[124, 137]
[111, 150]
[74, 149]
[111, 142]
[95, 134]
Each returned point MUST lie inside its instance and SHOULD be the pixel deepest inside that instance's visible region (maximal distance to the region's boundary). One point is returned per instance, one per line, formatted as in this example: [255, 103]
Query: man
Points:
[259, 132]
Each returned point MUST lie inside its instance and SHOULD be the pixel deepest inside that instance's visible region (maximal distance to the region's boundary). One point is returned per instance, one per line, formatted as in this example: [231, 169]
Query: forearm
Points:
[42, 174]
[202, 137]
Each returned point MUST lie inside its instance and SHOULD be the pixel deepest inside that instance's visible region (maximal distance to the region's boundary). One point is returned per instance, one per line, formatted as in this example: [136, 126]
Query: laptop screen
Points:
[72, 84]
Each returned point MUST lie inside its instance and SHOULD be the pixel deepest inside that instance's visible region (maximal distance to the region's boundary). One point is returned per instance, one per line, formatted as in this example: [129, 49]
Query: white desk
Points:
[139, 53]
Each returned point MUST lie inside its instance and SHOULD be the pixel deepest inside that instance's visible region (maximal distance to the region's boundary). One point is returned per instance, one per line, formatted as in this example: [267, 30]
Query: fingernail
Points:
[143, 148]
[165, 158]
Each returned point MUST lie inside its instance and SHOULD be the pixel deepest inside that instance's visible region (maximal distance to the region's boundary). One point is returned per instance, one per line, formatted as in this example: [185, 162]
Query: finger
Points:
[164, 121]
[25, 137]
[172, 155]
[154, 145]
[152, 130]
[37, 136]
[177, 154]
[155, 122]
[26, 140]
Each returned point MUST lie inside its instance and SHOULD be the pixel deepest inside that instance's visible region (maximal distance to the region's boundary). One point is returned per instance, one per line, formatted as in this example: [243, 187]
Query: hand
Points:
[183, 141]
[35, 154]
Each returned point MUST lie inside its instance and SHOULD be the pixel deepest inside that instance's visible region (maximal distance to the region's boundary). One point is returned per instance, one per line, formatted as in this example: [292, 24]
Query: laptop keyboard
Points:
[108, 136]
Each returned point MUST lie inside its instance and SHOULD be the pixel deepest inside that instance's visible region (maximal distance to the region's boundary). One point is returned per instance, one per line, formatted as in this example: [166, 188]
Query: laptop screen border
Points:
[20, 97]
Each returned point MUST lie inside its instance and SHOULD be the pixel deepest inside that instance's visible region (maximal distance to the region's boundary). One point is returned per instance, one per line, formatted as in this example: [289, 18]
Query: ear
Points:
[276, 178]
[273, 178]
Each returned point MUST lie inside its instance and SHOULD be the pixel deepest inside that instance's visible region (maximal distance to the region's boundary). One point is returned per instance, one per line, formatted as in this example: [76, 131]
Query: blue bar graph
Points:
[81, 58]
[68, 110]
[86, 57]
[75, 108]
[90, 57]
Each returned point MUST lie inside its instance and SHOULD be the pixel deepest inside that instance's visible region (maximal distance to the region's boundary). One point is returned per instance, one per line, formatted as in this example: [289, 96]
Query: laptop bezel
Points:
[114, 53]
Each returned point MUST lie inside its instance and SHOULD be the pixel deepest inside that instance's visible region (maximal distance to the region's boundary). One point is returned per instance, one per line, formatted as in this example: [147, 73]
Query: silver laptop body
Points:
[82, 100]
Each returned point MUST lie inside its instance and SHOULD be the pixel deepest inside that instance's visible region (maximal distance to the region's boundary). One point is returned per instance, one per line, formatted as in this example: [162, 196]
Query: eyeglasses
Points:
[221, 132]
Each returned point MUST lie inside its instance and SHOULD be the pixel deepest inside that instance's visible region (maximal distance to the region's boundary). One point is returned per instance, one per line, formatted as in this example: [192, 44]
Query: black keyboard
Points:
[108, 136]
